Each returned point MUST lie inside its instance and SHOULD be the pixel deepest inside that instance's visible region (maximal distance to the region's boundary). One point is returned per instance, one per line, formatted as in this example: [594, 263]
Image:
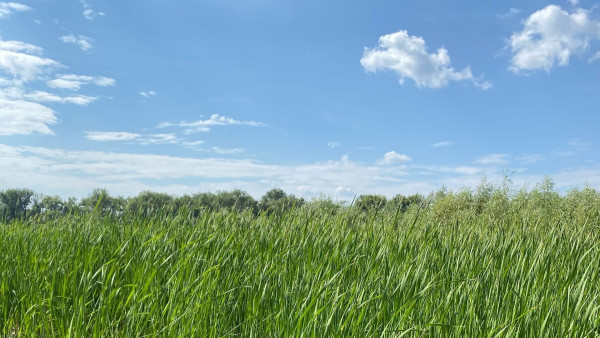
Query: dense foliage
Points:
[493, 261]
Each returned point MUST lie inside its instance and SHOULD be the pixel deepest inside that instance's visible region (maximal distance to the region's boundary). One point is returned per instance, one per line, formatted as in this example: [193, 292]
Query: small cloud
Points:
[8, 8]
[214, 120]
[594, 58]
[408, 57]
[393, 157]
[220, 150]
[579, 143]
[442, 144]
[492, 159]
[574, 2]
[148, 93]
[74, 82]
[550, 36]
[83, 42]
[333, 144]
[511, 13]
[529, 158]
[104, 136]
[88, 12]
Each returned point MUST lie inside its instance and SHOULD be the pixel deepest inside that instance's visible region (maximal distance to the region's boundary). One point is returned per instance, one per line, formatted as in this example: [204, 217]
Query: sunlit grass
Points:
[508, 271]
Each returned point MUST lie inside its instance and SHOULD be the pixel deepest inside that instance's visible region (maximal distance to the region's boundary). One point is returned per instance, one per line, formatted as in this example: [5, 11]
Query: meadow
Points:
[490, 262]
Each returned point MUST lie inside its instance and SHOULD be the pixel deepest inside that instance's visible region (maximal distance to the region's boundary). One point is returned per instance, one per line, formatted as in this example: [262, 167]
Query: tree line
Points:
[496, 202]
[24, 203]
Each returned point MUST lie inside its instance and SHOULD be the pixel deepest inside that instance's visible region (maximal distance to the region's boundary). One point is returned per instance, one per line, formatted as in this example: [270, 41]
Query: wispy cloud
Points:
[214, 120]
[9, 8]
[141, 139]
[88, 11]
[511, 13]
[83, 42]
[408, 57]
[220, 150]
[74, 82]
[442, 144]
[493, 159]
[51, 170]
[550, 36]
[333, 144]
[18, 93]
[148, 93]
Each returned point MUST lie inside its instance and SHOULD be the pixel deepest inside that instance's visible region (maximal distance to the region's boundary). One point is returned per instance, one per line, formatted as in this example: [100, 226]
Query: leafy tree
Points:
[237, 200]
[277, 201]
[100, 200]
[404, 202]
[148, 203]
[368, 203]
[15, 202]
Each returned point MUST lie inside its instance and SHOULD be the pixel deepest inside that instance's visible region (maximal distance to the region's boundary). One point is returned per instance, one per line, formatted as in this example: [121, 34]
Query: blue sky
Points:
[316, 97]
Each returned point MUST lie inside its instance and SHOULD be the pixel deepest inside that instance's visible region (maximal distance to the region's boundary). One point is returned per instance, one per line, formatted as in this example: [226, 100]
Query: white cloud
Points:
[493, 159]
[393, 157]
[104, 81]
[333, 144]
[530, 158]
[214, 120]
[550, 36]
[408, 57]
[511, 13]
[442, 144]
[8, 8]
[142, 139]
[74, 82]
[71, 173]
[148, 93]
[23, 118]
[104, 136]
[574, 2]
[220, 150]
[88, 12]
[15, 61]
[83, 42]
[595, 57]
[19, 46]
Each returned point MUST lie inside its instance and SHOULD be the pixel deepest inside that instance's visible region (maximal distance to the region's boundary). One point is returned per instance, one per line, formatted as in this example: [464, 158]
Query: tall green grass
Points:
[522, 268]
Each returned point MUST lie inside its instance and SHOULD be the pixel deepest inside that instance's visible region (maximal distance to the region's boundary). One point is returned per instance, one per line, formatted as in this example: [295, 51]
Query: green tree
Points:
[277, 201]
[15, 202]
[368, 203]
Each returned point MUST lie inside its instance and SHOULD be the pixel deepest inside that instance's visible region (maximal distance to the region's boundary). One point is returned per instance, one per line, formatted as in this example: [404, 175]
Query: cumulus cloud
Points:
[493, 159]
[83, 42]
[20, 110]
[74, 82]
[8, 8]
[214, 120]
[408, 57]
[393, 157]
[550, 36]
[23, 118]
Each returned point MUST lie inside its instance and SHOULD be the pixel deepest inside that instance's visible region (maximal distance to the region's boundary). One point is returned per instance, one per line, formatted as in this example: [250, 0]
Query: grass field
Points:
[526, 265]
